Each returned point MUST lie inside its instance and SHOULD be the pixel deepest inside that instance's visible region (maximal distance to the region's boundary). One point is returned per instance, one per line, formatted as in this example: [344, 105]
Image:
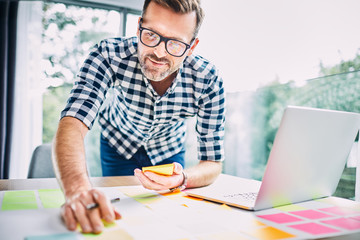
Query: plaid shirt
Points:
[136, 115]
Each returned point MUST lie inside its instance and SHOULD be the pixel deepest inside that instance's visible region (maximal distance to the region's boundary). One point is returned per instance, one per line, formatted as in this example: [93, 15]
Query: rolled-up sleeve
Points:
[210, 125]
[89, 90]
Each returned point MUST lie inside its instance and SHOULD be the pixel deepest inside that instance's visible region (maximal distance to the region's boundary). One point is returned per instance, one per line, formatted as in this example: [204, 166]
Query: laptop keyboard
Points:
[248, 196]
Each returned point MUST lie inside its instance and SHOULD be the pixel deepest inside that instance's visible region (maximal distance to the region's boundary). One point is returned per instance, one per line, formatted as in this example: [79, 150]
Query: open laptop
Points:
[306, 162]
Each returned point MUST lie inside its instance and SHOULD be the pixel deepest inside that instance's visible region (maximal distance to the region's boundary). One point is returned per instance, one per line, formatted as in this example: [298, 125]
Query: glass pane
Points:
[131, 25]
[68, 34]
[254, 117]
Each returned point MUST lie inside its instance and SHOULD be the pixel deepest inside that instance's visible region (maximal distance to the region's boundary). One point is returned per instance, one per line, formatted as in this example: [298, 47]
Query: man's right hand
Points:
[74, 211]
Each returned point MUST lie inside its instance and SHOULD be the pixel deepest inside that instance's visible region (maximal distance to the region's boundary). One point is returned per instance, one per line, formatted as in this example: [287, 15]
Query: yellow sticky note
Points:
[165, 169]
[269, 233]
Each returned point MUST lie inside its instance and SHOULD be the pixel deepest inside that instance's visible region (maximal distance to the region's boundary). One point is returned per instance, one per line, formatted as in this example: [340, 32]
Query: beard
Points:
[154, 73]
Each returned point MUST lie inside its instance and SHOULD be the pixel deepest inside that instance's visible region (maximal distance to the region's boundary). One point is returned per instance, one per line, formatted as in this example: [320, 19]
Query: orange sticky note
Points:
[165, 169]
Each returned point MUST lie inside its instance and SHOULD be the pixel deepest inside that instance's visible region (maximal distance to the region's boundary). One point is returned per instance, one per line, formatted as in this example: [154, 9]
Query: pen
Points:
[95, 205]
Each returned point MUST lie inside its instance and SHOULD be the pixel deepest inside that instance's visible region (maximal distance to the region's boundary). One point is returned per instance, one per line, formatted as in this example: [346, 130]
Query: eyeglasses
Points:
[150, 38]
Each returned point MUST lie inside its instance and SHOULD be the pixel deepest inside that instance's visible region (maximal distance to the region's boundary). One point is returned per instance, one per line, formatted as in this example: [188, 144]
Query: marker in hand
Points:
[95, 205]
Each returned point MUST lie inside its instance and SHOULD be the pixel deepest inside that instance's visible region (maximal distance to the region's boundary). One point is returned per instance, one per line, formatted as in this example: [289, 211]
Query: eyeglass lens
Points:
[152, 39]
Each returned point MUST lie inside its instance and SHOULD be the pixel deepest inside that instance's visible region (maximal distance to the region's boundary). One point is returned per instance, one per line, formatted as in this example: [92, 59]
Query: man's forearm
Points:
[69, 156]
[203, 174]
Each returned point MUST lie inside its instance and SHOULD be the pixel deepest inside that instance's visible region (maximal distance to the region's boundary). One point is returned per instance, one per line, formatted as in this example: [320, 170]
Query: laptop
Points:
[306, 162]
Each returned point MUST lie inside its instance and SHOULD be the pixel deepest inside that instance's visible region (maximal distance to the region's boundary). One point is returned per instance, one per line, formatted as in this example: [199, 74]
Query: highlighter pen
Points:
[95, 205]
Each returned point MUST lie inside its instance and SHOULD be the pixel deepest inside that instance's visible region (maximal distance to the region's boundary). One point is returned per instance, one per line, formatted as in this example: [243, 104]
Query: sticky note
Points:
[165, 169]
[146, 198]
[107, 225]
[338, 210]
[290, 207]
[109, 235]
[280, 218]
[314, 228]
[19, 196]
[346, 223]
[19, 200]
[311, 214]
[342, 202]
[269, 233]
[51, 198]
[60, 236]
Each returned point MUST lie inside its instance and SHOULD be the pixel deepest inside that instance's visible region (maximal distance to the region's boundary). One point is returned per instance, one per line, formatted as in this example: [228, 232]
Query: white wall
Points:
[254, 42]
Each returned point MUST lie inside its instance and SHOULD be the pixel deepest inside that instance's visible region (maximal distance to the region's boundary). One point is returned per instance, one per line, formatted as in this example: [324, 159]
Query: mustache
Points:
[155, 58]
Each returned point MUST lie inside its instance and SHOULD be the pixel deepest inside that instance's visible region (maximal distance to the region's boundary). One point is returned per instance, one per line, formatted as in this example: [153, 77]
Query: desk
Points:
[46, 183]
[33, 184]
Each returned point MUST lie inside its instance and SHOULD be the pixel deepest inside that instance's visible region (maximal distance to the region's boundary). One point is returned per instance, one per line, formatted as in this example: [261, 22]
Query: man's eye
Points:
[151, 35]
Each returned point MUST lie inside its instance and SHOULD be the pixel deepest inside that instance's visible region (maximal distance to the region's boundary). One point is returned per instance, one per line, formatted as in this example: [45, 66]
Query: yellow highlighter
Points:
[165, 169]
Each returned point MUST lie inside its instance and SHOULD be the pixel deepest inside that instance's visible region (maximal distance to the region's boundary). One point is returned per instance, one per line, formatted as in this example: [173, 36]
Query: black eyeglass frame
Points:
[164, 39]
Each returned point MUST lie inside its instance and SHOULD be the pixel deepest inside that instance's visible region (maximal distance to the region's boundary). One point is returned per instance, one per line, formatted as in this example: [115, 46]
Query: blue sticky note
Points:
[60, 236]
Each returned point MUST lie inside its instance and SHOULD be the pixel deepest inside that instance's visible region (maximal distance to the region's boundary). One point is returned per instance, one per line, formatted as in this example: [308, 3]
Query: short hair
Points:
[181, 6]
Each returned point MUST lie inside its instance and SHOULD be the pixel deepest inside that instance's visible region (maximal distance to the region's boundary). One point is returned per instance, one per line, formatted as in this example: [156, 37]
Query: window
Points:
[270, 54]
[69, 33]
[275, 53]
[54, 40]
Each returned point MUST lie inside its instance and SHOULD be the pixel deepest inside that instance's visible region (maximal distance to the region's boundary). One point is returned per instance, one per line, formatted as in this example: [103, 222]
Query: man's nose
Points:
[160, 50]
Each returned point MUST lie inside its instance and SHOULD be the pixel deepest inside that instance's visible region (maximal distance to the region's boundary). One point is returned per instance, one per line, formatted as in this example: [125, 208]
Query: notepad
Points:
[165, 169]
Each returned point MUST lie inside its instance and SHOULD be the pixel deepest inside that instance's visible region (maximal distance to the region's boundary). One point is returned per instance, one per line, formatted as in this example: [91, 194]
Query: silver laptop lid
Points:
[308, 155]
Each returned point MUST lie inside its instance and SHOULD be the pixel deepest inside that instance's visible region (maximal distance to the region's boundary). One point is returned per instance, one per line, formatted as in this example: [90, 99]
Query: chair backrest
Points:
[41, 164]
[357, 183]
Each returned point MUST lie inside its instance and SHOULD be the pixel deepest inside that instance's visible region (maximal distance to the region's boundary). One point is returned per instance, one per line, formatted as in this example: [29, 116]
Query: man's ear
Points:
[193, 46]
[138, 30]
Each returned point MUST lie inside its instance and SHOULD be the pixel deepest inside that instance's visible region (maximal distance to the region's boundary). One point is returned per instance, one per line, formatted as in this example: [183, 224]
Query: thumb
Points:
[177, 168]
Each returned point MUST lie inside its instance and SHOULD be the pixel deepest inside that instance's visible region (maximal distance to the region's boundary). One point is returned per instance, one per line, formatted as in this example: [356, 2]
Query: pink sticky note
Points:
[338, 210]
[346, 223]
[280, 218]
[314, 228]
[356, 218]
[311, 214]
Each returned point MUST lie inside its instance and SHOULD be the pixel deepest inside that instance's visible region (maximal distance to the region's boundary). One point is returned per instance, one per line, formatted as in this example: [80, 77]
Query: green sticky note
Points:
[19, 196]
[112, 234]
[51, 198]
[290, 207]
[19, 206]
[19, 200]
[146, 198]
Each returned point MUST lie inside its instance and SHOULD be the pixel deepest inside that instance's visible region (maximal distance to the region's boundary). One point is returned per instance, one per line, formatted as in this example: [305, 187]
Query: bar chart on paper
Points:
[150, 215]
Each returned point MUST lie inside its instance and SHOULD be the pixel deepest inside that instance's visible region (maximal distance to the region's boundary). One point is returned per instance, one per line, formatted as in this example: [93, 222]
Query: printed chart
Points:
[175, 216]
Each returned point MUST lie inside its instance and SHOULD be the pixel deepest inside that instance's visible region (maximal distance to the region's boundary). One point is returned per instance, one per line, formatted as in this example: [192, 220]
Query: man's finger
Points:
[95, 220]
[69, 217]
[81, 215]
[106, 209]
[177, 168]
[147, 182]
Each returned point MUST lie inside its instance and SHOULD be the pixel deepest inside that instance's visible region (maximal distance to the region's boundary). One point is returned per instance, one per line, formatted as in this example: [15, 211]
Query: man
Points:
[157, 83]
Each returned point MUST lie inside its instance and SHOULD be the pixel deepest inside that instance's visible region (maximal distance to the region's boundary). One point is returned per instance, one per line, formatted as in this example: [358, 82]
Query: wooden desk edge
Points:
[50, 183]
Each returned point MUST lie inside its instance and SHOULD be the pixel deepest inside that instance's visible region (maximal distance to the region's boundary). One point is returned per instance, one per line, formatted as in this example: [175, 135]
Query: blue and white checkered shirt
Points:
[136, 115]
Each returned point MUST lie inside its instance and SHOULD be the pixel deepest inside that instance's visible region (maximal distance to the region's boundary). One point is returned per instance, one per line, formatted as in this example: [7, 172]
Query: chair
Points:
[41, 164]
[357, 183]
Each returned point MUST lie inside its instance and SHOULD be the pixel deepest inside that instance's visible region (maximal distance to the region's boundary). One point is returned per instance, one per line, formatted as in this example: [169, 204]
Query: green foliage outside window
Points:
[340, 91]
[68, 34]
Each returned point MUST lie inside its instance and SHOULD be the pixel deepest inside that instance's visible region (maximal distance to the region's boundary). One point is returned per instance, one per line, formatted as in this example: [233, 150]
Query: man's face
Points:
[156, 63]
